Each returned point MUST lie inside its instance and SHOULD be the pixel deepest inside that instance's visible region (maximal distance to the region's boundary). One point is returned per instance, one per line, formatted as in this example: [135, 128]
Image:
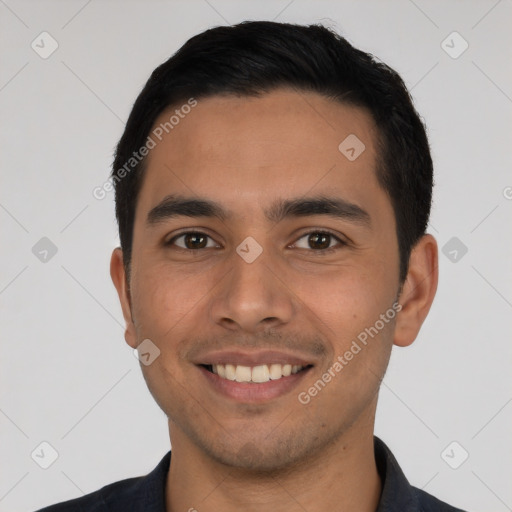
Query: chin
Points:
[257, 459]
[263, 454]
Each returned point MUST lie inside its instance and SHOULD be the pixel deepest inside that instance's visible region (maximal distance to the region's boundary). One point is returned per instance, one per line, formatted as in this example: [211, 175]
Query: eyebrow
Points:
[178, 206]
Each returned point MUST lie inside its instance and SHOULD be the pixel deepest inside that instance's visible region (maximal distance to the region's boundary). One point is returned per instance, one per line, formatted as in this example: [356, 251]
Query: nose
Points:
[253, 296]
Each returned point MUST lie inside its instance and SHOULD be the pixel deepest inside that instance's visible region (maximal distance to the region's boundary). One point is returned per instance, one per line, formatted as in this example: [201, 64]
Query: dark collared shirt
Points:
[147, 493]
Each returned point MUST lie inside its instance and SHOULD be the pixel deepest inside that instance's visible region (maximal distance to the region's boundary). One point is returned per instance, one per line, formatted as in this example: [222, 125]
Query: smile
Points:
[255, 374]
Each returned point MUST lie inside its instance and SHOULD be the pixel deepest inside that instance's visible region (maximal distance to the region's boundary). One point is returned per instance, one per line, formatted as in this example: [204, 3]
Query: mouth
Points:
[255, 374]
[252, 379]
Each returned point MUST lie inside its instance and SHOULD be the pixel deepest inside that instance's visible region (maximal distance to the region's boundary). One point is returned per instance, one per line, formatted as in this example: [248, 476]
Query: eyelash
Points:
[320, 252]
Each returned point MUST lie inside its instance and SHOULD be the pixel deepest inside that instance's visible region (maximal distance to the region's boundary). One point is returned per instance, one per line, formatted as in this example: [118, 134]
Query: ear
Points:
[418, 291]
[118, 275]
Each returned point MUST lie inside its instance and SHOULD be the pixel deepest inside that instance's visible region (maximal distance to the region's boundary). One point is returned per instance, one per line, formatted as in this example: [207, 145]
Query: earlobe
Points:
[418, 290]
[118, 275]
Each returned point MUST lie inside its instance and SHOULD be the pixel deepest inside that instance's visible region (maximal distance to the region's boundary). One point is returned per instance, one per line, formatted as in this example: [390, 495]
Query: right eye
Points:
[191, 241]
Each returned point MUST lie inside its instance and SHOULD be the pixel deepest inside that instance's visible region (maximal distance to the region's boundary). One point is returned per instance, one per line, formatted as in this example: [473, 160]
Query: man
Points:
[273, 187]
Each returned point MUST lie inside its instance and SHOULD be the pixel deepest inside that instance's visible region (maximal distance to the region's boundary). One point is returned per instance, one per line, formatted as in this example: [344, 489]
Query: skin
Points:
[245, 153]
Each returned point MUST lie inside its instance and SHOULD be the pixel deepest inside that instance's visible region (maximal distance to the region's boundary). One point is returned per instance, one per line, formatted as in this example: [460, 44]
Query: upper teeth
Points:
[262, 373]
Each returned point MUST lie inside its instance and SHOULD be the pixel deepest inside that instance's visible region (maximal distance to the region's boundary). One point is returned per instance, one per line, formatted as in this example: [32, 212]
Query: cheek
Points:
[162, 300]
[347, 308]
[346, 301]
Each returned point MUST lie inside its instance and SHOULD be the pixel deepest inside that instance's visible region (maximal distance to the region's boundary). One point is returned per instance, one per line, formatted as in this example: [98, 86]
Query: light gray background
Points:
[67, 376]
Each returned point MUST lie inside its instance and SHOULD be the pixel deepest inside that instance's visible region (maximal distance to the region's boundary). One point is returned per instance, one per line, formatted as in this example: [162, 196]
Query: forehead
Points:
[281, 143]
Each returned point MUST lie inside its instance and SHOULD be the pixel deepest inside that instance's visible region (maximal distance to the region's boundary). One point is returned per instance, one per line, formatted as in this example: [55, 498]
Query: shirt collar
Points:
[397, 493]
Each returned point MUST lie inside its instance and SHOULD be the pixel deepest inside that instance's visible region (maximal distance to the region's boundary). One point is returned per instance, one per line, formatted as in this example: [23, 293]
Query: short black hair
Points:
[256, 57]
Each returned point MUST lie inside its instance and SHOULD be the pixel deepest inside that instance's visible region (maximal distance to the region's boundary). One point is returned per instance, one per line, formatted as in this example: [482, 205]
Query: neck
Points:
[342, 477]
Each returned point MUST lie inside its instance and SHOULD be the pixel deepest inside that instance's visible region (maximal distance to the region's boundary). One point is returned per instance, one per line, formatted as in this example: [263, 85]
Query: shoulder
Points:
[429, 503]
[143, 493]
[101, 500]
[397, 493]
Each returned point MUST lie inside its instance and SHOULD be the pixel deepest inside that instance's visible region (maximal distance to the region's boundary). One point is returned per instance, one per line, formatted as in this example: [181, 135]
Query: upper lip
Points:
[254, 358]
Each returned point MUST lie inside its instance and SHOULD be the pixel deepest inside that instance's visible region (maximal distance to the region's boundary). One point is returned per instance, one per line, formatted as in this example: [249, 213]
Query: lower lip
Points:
[253, 392]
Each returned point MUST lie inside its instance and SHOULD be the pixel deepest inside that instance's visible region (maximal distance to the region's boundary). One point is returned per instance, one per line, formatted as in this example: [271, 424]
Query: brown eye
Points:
[319, 241]
[195, 241]
[191, 241]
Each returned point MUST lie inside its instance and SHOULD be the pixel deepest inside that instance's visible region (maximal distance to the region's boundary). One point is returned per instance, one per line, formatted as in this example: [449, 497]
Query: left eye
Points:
[318, 240]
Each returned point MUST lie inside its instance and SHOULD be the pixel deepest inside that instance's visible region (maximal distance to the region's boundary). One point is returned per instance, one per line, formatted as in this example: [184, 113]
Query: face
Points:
[290, 258]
